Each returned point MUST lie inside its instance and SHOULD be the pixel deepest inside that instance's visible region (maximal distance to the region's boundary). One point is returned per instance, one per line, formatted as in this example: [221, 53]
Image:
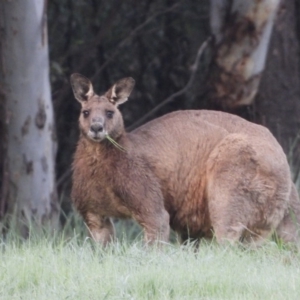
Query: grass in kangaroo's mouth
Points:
[115, 143]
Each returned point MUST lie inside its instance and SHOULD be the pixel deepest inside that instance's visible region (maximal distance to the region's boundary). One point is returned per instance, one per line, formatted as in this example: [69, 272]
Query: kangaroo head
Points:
[100, 115]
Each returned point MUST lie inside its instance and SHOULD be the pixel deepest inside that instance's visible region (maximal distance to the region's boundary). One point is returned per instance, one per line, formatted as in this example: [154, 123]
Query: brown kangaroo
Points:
[199, 172]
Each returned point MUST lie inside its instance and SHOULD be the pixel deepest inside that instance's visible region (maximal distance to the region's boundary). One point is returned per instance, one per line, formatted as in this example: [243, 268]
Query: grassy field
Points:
[60, 267]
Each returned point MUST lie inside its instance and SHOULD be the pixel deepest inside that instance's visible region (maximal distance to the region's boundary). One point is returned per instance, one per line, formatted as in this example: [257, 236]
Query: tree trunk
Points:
[28, 187]
[242, 30]
[278, 102]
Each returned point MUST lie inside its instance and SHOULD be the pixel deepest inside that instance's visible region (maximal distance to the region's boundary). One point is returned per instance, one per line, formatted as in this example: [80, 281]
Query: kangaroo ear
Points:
[120, 91]
[82, 87]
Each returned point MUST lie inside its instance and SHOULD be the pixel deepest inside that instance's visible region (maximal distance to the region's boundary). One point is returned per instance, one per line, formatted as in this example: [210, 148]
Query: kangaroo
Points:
[199, 172]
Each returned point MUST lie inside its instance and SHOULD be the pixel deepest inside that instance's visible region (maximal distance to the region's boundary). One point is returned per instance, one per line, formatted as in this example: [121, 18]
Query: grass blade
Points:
[115, 143]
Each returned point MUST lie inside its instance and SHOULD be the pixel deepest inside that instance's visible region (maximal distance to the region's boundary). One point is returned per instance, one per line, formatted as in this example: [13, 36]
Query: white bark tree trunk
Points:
[242, 30]
[31, 144]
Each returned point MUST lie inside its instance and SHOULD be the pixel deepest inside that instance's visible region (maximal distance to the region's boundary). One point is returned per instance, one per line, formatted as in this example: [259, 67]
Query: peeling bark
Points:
[24, 73]
[242, 30]
[278, 101]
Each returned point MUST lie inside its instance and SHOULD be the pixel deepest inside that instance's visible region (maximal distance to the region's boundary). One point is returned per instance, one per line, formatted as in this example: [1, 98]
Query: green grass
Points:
[60, 267]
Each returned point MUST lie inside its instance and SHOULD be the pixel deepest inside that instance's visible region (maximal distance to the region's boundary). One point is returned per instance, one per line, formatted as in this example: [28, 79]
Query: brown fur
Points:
[193, 171]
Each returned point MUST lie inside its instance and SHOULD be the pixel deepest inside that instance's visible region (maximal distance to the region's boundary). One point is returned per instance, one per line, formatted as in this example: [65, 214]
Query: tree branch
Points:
[179, 93]
[131, 35]
[66, 87]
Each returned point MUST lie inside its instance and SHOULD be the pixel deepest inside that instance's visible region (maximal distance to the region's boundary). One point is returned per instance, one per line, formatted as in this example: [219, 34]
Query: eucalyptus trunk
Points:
[256, 65]
[28, 183]
[242, 30]
[278, 101]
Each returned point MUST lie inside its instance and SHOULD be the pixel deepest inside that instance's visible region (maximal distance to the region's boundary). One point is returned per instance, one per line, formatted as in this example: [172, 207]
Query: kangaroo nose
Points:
[96, 127]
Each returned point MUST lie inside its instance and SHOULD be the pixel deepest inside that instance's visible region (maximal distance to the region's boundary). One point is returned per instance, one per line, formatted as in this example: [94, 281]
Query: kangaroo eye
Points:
[109, 114]
[86, 113]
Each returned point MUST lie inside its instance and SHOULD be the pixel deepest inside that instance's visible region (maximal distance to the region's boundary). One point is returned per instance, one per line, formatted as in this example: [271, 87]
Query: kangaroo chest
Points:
[94, 190]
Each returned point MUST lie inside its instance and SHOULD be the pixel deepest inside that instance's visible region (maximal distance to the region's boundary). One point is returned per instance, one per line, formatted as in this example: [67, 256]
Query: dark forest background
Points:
[156, 42]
